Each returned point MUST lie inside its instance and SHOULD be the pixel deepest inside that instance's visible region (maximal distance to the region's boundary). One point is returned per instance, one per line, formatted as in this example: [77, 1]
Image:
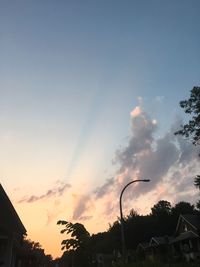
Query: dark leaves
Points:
[79, 235]
[197, 181]
[192, 107]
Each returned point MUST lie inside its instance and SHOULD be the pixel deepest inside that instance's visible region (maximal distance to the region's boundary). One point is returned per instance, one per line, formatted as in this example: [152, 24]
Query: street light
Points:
[121, 215]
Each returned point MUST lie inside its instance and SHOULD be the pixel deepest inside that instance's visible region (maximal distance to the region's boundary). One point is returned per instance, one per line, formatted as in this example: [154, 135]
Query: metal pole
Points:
[121, 216]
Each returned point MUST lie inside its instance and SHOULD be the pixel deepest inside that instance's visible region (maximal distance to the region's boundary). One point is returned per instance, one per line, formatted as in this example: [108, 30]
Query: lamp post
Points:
[121, 215]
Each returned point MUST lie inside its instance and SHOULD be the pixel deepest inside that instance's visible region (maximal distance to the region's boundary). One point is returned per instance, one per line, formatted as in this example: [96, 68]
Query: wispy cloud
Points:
[102, 190]
[57, 190]
[52, 216]
[83, 205]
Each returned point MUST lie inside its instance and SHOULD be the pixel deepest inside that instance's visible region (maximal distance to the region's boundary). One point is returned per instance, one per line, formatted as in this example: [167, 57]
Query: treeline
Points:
[140, 228]
[82, 247]
[33, 255]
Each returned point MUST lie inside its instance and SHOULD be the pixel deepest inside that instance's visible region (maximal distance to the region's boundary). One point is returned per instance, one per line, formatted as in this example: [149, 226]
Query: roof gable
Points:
[192, 220]
[9, 219]
[143, 245]
[185, 236]
[159, 240]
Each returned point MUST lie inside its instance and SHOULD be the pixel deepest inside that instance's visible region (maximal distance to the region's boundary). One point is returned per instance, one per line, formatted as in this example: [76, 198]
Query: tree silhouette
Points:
[183, 208]
[79, 235]
[162, 208]
[77, 245]
[191, 129]
[192, 106]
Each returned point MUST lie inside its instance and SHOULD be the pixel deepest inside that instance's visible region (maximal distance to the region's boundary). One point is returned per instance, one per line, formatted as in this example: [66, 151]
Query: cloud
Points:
[169, 161]
[83, 204]
[57, 190]
[102, 190]
[136, 112]
[142, 130]
[128, 160]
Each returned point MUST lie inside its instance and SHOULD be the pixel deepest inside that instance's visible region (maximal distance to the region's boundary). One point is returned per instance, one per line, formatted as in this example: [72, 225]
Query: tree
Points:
[31, 245]
[183, 208]
[197, 181]
[79, 235]
[36, 253]
[192, 128]
[132, 214]
[192, 106]
[77, 245]
[197, 184]
[198, 205]
[162, 208]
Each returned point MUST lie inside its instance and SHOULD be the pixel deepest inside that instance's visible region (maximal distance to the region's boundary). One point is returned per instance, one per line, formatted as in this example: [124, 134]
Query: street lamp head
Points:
[146, 180]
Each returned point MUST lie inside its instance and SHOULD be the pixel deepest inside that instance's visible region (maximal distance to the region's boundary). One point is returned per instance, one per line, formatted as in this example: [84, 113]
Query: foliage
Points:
[77, 246]
[198, 205]
[162, 208]
[133, 213]
[192, 106]
[37, 253]
[192, 128]
[79, 235]
[31, 245]
[183, 208]
[197, 181]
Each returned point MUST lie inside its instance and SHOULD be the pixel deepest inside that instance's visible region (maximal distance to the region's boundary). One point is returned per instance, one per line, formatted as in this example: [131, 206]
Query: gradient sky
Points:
[89, 94]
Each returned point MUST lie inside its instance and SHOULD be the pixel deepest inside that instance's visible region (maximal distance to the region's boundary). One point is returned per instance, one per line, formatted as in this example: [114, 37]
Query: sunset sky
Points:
[89, 100]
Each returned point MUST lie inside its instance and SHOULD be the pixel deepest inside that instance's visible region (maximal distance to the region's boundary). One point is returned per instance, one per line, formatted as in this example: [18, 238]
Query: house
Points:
[156, 249]
[12, 232]
[159, 248]
[104, 259]
[186, 243]
[142, 250]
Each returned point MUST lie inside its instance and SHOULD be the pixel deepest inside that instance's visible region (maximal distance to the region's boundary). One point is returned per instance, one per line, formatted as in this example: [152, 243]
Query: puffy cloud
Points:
[169, 161]
[136, 111]
[140, 142]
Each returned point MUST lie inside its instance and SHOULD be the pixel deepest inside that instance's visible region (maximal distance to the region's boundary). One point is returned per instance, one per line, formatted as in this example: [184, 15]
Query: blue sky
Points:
[70, 74]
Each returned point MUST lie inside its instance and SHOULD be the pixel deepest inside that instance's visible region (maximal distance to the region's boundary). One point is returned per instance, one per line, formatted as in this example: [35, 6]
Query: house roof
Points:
[184, 236]
[193, 220]
[9, 219]
[143, 245]
[160, 240]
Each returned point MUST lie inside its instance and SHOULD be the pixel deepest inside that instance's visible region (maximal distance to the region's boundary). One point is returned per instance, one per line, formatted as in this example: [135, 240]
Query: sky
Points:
[89, 100]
